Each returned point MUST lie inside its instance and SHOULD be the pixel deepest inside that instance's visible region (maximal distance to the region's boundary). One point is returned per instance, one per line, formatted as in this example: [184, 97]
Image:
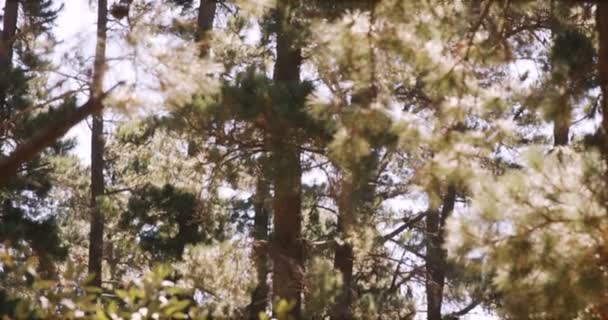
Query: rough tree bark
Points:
[602, 30]
[355, 191]
[601, 311]
[561, 126]
[436, 255]
[204, 24]
[561, 123]
[97, 148]
[288, 256]
[344, 256]
[355, 194]
[261, 219]
[287, 248]
[206, 16]
[11, 13]
[9, 28]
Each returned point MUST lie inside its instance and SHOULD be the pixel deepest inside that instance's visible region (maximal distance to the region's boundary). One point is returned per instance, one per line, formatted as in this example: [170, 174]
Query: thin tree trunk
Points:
[204, 24]
[600, 311]
[206, 15]
[97, 148]
[287, 255]
[344, 256]
[561, 123]
[27, 150]
[261, 219]
[602, 30]
[436, 255]
[11, 14]
[356, 194]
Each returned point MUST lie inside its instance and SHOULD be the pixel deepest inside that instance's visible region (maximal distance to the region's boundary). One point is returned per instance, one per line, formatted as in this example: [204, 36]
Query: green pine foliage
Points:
[28, 217]
[443, 159]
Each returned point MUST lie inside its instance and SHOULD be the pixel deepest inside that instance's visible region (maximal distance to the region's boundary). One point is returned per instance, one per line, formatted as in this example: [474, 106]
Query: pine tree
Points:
[287, 250]
[96, 238]
[312, 159]
[530, 255]
[25, 196]
[261, 222]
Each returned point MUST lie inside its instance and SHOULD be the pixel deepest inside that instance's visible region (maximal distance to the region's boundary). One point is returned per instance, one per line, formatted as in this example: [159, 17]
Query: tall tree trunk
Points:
[436, 255]
[97, 148]
[206, 15]
[600, 311]
[289, 54]
[344, 256]
[355, 191]
[204, 24]
[9, 29]
[259, 297]
[287, 255]
[561, 125]
[602, 30]
[355, 195]
[287, 248]
[563, 116]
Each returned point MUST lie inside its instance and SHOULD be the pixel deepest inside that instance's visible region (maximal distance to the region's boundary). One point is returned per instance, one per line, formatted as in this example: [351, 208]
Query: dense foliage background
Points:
[292, 159]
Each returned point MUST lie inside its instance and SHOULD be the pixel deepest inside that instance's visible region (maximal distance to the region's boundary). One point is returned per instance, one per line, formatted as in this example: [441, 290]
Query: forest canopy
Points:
[304, 159]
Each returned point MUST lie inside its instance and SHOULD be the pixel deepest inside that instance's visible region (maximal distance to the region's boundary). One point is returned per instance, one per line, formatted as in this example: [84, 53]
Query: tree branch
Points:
[46, 136]
[407, 224]
[464, 310]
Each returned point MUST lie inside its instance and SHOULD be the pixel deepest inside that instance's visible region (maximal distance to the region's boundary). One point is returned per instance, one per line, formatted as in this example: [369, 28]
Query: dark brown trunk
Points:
[344, 257]
[204, 24]
[11, 13]
[97, 147]
[46, 264]
[206, 15]
[436, 255]
[600, 311]
[562, 118]
[561, 127]
[287, 249]
[287, 255]
[560, 134]
[354, 193]
[355, 198]
[343, 262]
[289, 54]
[259, 297]
[602, 30]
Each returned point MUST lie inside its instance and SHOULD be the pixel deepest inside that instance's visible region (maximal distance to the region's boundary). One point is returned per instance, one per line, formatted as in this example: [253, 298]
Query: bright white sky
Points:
[76, 29]
[76, 32]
